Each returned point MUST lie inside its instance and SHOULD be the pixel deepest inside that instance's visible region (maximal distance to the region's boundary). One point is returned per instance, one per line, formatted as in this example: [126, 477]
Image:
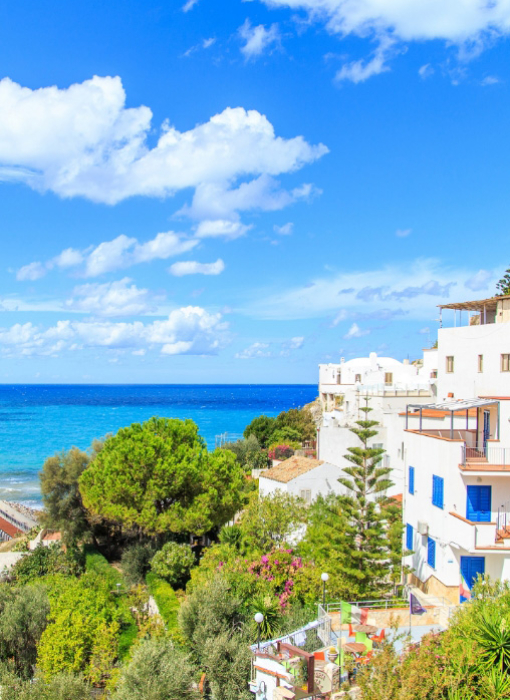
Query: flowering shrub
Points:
[280, 452]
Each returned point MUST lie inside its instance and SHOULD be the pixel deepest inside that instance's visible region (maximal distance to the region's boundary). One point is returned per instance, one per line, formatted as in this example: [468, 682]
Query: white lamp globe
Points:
[259, 617]
[324, 576]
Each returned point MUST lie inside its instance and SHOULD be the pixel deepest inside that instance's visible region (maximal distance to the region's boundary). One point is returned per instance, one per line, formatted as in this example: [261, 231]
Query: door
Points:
[479, 500]
[486, 429]
[470, 567]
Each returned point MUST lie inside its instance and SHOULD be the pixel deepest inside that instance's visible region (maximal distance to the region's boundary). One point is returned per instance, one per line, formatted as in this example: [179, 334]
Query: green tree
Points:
[136, 561]
[262, 428]
[365, 507]
[173, 562]
[269, 521]
[286, 436]
[299, 419]
[503, 286]
[63, 505]
[226, 662]
[157, 671]
[64, 686]
[248, 452]
[23, 618]
[158, 477]
[327, 542]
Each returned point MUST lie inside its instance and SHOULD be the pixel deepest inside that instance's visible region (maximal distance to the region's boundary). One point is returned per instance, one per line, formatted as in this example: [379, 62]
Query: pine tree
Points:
[503, 286]
[365, 505]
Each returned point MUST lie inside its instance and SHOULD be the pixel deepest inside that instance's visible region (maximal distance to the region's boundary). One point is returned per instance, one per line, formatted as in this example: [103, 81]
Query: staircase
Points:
[502, 535]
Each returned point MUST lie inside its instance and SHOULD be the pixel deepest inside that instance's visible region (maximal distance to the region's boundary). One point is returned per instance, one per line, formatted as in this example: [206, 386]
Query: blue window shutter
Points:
[438, 491]
[478, 504]
[411, 480]
[409, 537]
[431, 552]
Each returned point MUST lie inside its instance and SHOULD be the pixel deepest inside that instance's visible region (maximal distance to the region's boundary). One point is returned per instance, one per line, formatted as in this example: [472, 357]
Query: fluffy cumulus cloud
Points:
[117, 254]
[191, 267]
[121, 298]
[257, 39]
[412, 289]
[84, 141]
[471, 25]
[190, 330]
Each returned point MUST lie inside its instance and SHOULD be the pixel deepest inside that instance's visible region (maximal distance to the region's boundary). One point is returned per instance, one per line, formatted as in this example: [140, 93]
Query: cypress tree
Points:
[368, 562]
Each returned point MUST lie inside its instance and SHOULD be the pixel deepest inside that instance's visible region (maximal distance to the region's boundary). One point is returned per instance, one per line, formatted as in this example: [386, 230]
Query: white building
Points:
[389, 385]
[457, 491]
[303, 477]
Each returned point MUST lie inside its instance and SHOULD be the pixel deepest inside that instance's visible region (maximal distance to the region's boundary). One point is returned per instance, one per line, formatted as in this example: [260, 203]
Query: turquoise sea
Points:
[38, 420]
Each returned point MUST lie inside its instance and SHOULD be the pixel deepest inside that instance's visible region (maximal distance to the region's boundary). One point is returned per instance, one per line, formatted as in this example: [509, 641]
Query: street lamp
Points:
[324, 578]
[259, 618]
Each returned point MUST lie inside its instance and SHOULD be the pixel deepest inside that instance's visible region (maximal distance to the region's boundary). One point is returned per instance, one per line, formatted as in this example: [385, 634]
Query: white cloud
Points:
[490, 80]
[257, 39]
[254, 350]
[70, 257]
[361, 70]
[191, 267]
[117, 254]
[204, 44]
[411, 288]
[480, 280]
[425, 71]
[83, 141]
[221, 228]
[471, 25]
[403, 232]
[355, 332]
[285, 230]
[189, 5]
[121, 298]
[31, 272]
[295, 343]
[190, 330]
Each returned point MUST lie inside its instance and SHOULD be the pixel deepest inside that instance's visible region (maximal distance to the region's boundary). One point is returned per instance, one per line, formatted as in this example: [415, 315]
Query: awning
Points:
[478, 305]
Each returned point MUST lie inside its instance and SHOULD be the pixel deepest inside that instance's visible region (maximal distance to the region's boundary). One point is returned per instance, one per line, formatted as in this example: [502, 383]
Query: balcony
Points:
[488, 458]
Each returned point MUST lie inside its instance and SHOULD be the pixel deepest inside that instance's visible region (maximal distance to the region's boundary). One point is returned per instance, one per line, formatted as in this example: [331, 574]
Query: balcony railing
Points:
[487, 454]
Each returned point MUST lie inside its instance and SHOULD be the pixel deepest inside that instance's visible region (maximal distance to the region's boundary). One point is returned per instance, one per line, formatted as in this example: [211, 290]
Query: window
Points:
[505, 363]
[306, 495]
[357, 379]
[449, 363]
[480, 363]
[411, 480]
[438, 491]
[388, 377]
[431, 552]
[409, 537]
[478, 504]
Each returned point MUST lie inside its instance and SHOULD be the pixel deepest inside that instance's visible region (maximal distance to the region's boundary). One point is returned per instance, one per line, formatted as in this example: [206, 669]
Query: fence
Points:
[487, 454]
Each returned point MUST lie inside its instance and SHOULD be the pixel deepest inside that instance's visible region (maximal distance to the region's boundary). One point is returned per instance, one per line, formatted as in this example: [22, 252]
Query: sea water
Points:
[38, 420]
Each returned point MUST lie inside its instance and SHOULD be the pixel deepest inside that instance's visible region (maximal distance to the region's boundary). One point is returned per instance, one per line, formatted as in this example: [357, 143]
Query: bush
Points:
[64, 686]
[157, 671]
[280, 452]
[173, 562]
[165, 598]
[135, 562]
[46, 560]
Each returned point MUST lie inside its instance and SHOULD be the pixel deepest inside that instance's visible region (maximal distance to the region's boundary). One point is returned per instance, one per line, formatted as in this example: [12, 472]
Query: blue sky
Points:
[236, 191]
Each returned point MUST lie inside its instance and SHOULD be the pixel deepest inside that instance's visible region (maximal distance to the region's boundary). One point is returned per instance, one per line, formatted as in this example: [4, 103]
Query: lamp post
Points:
[324, 578]
[259, 618]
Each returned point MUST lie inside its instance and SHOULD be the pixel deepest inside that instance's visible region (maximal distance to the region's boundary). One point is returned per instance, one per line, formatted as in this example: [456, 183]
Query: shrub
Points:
[173, 562]
[165, 598]
[135, 562]
[157, 671]
[280, 452]
[46, 560]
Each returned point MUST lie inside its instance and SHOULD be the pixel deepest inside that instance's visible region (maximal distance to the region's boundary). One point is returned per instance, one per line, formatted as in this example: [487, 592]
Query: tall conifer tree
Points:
[365, 507]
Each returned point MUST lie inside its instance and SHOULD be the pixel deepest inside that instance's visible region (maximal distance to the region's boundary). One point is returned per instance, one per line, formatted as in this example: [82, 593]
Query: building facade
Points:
[457, 476]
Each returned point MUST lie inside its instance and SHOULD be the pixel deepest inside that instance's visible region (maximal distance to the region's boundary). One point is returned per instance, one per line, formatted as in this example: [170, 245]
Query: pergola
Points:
[452, 407]
[483, 307]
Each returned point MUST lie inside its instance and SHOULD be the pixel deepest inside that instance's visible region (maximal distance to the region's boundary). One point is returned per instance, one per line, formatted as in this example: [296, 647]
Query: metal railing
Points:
[503, 518]
[487, 454]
